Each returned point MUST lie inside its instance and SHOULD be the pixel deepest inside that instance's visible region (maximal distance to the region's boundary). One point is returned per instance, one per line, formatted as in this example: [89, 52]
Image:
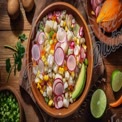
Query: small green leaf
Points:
[8, 65]
[22, 37]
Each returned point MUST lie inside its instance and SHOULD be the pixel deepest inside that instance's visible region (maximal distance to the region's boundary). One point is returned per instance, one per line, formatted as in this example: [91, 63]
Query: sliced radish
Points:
[41, 38]
[57, 13]
[71, 62]
[58, 101]
[97, 11]
[35, 52]
[50, 16]
[59, 56]
[81, 32]
[82, 53]
[58, 87]
[58, 44]
[41, 66]
[61, 35]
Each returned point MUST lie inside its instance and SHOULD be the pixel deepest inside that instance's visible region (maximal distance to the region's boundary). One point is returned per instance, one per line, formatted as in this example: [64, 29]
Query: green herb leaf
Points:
[22, 37]
[8, 65]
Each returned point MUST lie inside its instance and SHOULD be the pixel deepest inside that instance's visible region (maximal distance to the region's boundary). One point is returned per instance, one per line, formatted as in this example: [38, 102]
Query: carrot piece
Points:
[43, 52]
[116, 103]
[53, 36]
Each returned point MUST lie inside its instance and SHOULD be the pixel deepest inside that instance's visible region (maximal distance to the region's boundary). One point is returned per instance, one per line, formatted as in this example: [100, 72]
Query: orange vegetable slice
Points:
[109, 10]
[116, 103]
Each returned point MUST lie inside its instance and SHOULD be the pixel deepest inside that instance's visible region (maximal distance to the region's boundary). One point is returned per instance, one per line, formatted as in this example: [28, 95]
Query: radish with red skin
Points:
[35, 52]
[58, 87]
[41, 38]
[82, 53]
[59, 56]
[97, 11]
[71, 62]
[57, 13]
[50, 16]
[58, 101]
[81, 32]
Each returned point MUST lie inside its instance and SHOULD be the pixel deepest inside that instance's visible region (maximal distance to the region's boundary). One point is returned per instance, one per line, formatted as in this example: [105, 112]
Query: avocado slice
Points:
[80, 83]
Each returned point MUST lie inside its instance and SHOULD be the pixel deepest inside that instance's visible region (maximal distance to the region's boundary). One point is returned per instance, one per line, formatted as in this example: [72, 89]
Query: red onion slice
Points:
[81, 31]
[82, 53]
[41, 38]
[35, 52]
[41, 66]
[97, 11]
[59, 56]
[71, 62]
[61, 35]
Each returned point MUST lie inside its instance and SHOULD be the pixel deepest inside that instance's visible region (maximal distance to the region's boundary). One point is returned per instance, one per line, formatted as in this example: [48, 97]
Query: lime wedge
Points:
[98, 103]
[116, 80]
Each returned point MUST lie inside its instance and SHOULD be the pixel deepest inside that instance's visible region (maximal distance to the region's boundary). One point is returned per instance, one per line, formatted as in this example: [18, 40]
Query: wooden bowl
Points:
[17, 97]
[63, 112]
[108, 38]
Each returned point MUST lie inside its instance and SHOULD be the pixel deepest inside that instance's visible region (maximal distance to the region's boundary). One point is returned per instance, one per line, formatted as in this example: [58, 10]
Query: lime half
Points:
[116, 80]
[98, 103]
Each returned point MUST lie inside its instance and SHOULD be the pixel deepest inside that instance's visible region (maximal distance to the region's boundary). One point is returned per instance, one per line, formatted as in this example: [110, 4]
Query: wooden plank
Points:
[9, 38]
[23, 22]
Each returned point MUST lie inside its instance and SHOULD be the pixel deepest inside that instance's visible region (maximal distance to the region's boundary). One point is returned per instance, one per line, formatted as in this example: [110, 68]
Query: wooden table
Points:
[9, 31]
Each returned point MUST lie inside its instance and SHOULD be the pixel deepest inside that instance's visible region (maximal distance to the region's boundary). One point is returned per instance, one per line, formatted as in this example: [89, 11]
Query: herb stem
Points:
[10, 72]
[10, 47]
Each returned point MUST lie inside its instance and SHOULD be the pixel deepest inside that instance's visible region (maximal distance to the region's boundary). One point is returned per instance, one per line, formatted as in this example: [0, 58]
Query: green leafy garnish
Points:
[22, 37]
[19, 51]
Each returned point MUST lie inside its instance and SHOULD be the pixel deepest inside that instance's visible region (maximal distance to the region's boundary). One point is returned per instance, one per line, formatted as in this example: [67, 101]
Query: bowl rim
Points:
[110, 41]
[17, 97]
[91, 65]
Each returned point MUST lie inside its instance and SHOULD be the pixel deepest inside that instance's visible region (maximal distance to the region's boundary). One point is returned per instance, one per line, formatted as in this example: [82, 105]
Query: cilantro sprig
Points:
[19, 51]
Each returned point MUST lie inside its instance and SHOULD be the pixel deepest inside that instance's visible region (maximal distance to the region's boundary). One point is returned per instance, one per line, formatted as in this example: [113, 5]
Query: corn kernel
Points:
[41, 91]
[38, 73]
[46, 77]
[66, 29]
[84, 46]
[64, 23]
[46, 63]
[52, 51]
[61, 70]
[50, 103]
[75, 39]
[73, 74]
[51, 42]
[38, 86]
[43, 58]
[78, 42]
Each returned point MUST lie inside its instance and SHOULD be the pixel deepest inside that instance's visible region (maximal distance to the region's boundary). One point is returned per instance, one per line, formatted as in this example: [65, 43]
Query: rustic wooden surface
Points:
[9, 31]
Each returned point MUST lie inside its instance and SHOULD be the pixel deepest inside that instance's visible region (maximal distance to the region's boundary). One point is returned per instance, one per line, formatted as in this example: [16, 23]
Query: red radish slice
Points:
[82, 53]
[41, 38]
[58, 44]
[64, 46]
[71, 62]
[81, 31]
[35, 52]
[58, 101]
[97, 11]
[59, 56]
[41, 66]
[58, 89]
[72, 44]
[57, 13]
[61, 35]
[57, 80]
[50, 16]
